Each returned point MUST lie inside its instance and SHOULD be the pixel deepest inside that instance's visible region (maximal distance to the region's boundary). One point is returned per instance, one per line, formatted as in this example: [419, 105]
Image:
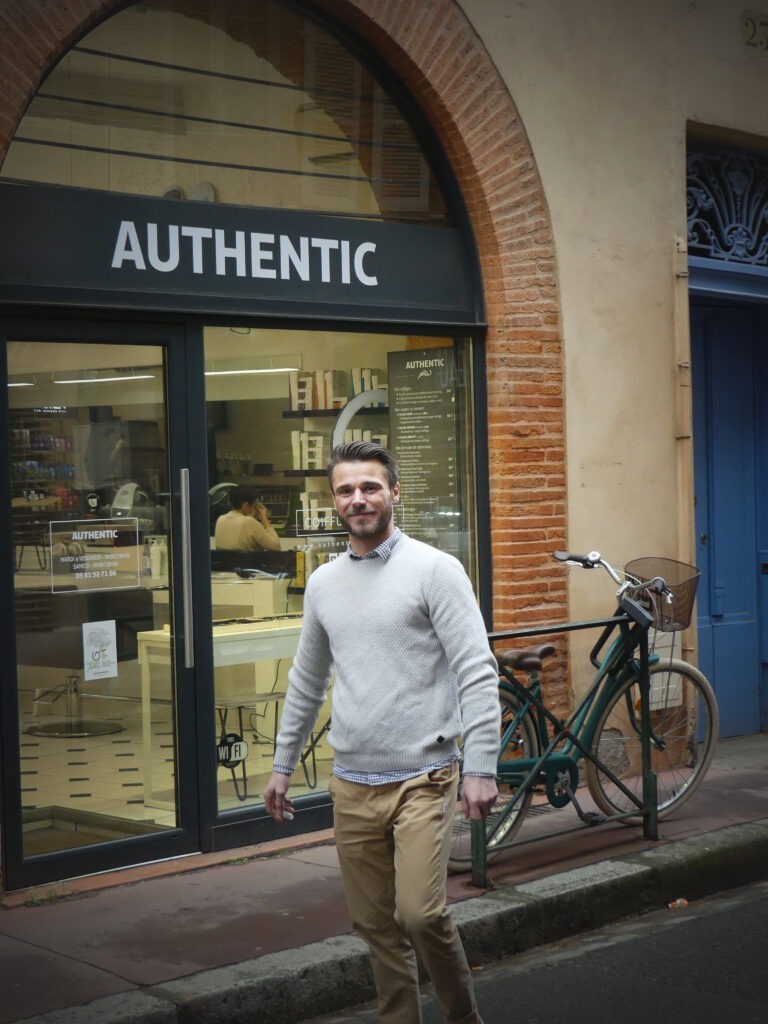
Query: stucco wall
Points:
[605, 90]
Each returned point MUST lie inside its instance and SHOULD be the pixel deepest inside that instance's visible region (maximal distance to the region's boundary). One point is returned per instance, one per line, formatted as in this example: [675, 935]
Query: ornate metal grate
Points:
[727, 199]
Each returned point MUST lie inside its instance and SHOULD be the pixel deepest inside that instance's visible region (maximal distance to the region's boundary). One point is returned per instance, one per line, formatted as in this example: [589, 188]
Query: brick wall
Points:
[436, 53]
[434, 50]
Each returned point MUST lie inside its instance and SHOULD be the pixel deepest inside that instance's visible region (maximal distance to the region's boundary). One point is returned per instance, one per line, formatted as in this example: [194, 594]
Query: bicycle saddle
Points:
[529, 660]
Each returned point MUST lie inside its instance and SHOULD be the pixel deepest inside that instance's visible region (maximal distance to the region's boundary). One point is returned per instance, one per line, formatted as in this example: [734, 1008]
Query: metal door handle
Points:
[186, 571]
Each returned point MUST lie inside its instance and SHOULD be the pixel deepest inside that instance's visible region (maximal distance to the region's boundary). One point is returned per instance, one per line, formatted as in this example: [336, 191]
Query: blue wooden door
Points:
[729, 449]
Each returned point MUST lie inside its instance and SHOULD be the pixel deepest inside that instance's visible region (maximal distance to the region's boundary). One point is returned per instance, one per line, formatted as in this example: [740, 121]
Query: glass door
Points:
[95, 487]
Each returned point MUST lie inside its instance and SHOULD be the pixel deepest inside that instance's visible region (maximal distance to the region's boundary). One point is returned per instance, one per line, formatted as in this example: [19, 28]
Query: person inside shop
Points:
[397, 622]
[246, 527]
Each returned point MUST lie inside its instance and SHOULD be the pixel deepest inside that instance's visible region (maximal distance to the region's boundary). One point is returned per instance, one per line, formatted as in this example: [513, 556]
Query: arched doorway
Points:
[154, 275]
[483, 139]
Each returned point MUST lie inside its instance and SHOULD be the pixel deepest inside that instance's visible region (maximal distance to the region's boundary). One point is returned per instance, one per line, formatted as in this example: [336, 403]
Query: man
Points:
[246, 527]
[398, 623]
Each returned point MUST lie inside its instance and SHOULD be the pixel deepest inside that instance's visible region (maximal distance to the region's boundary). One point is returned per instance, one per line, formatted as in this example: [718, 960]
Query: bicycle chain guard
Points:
[561, 778]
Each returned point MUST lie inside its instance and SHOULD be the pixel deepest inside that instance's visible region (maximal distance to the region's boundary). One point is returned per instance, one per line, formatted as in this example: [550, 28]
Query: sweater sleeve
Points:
[308, 679]
[260, 537]
[461, 630]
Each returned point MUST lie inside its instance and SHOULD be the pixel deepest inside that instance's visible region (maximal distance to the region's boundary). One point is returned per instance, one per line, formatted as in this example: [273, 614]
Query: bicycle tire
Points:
[684, 718]
[524, 743]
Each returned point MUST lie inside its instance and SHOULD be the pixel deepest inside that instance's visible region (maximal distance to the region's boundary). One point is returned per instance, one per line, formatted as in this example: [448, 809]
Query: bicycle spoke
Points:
[683, 719]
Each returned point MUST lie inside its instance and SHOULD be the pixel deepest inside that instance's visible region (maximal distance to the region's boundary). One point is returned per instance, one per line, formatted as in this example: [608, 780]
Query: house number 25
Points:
[754, 28]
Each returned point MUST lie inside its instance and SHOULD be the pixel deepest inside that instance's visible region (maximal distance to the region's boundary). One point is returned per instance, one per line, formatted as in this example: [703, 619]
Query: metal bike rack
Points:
[648, 807]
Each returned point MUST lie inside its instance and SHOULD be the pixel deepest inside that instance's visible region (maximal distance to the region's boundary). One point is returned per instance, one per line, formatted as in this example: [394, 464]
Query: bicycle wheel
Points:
[522, 743]
[684, 721]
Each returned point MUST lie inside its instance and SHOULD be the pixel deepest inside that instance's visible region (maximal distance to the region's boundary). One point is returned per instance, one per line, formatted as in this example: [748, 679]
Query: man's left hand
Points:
[478, 794]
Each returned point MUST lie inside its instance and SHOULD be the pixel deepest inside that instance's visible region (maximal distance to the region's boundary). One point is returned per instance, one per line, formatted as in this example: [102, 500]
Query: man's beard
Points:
[369, 527]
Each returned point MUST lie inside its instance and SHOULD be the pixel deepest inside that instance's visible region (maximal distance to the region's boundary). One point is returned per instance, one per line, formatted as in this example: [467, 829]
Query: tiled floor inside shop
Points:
[97, 758]
[94, 786]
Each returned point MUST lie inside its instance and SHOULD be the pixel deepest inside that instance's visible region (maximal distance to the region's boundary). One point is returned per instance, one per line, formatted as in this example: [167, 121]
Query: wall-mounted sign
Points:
[50, 410]
[96, 554]
[76, 246]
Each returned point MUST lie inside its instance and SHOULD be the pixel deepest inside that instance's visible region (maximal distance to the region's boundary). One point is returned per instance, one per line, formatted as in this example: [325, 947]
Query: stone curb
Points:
[334, 974]
[520, 917]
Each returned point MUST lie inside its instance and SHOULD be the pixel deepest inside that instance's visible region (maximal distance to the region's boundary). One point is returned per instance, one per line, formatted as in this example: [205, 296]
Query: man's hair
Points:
[238, 497]
[363, 451]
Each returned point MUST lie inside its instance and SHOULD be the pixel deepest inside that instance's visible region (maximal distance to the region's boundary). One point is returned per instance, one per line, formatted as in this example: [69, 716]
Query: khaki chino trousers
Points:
[393, 843]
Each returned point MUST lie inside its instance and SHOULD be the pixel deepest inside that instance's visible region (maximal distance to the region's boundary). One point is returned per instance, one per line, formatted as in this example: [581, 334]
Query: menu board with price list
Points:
[422, 412]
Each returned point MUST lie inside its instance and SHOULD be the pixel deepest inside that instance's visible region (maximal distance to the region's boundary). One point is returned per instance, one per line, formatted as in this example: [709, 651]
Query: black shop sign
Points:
[80, 247]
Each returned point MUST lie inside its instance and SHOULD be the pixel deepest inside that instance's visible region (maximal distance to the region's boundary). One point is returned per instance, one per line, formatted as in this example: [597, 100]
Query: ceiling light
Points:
[107, 380]
[237, 373]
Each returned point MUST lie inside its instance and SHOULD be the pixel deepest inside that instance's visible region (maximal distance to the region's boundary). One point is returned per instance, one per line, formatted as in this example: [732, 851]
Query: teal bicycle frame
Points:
[558, 772]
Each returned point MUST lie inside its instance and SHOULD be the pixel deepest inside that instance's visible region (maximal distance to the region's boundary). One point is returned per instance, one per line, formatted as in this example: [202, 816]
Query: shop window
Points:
[277, 401]
[241, 102]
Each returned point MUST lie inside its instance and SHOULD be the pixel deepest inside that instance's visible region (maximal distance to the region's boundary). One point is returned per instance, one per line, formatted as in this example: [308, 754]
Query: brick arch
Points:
[436, 53]
[438, 56]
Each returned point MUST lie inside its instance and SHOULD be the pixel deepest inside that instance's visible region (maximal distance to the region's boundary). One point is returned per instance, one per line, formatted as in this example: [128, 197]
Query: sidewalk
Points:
[261, 934]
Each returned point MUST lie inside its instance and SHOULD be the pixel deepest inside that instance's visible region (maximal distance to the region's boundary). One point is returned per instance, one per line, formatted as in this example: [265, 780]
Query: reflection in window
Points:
[234, 101]
[277, 401]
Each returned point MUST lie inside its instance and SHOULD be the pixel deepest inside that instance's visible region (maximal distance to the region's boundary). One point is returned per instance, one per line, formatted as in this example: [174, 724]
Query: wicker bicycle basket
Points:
[681, 579]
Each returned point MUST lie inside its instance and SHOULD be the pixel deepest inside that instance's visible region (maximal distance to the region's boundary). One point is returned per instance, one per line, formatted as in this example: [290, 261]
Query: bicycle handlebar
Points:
[627, 604]
[594, 559]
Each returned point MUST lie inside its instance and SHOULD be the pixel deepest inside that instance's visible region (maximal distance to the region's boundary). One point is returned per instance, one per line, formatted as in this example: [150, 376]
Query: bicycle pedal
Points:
[593, 818]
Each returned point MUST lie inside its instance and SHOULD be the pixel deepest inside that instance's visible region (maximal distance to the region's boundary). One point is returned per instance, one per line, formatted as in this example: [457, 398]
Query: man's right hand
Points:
[278, 805]
[261, 514]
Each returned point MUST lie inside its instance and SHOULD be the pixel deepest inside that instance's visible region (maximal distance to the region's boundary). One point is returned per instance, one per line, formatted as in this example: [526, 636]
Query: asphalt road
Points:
[706, 963]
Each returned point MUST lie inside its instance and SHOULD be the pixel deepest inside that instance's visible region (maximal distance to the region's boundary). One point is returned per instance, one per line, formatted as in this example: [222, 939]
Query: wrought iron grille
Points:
[727, 200]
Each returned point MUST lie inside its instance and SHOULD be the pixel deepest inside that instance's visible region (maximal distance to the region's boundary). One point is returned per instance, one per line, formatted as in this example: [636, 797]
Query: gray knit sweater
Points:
[413, 667]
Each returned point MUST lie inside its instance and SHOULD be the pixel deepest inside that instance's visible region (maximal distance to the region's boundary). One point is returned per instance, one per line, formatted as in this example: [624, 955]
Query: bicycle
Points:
[540, 754]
